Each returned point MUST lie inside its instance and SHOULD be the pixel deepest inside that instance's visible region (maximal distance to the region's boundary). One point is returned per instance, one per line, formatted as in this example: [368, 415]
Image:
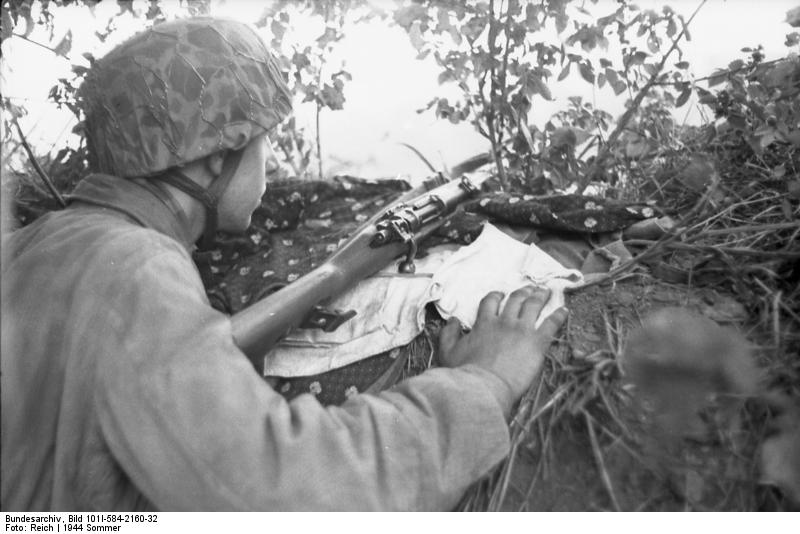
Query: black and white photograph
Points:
[397, 255]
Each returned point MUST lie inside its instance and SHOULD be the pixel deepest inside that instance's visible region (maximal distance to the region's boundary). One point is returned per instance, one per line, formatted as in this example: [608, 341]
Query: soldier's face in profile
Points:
[244, 193]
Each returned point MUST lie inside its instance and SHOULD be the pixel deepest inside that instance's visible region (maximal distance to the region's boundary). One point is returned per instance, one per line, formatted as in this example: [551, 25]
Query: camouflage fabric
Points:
[563, 213]
[297, 225]
[180, 91]
[300, 223]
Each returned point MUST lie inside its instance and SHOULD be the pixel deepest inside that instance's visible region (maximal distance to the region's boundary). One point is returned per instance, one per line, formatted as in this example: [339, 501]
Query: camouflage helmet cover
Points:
[178, 92]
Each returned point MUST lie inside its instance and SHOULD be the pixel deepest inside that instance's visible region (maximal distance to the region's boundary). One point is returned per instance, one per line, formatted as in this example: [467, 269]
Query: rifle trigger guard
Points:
[326, 319]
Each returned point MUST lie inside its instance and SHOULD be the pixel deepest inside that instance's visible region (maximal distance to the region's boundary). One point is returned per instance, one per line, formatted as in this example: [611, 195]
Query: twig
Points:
[667, 238]
[420, 156]
[37, 43]
[725, 71]
[491, 112]
[605, 151]
[35, 163]
[750, 228]
[718, 248]
[601, 466]
[318, 139]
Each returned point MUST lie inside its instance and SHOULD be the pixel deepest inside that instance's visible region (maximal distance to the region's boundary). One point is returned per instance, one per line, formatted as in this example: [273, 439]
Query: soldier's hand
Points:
[504, 346]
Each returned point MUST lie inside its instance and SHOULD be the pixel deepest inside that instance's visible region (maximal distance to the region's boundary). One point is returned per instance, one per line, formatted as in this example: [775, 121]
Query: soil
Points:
[628, 464]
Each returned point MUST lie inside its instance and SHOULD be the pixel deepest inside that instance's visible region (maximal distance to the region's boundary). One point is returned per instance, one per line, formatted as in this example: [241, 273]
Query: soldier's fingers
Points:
[449, 336]
[533, 305]
[550, 326]
[490, 305]
[515, 300]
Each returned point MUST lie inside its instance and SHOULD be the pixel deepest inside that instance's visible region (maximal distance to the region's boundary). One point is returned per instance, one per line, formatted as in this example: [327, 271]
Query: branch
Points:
[37, 43]
[605, 151]
[490, 112]
[724, 71]
[39, 170]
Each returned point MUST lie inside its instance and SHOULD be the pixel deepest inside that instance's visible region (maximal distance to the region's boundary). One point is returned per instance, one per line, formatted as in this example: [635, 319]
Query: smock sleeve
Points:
[195, 428]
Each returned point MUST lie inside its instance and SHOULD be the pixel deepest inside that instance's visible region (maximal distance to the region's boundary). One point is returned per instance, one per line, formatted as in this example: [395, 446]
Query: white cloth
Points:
[390, 309]
[391, 306]
[496, 262]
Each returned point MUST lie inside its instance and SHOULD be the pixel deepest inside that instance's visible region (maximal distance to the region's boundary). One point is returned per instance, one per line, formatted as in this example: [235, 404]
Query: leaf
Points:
[683, 97]
[564, 72]
[277, 30]
[406, 16]
[587, 73]
[415, 34]
[332, 97]
[455, 35]
[672, 28]
[532, 17]
[653, 42]
[79, 70]
[706, 97]
[65, 45]
[651, 69]
[526, 134]
[561, 22]
[535, 84]
[683, 65]
[473, 28]
[300, 61]
[717, 78]
[793, 17]
[637, 58]
[443, 20]
[735, 65]
[125, 6]
[612, 76]
[7, 25]
[738, 121]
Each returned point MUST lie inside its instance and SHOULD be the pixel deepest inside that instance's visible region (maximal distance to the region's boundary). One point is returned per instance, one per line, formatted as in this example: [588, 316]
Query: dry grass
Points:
[580, 442]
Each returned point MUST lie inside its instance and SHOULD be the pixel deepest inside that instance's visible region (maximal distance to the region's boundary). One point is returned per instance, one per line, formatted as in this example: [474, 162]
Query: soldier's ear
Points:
[214, 163]
[241, 141]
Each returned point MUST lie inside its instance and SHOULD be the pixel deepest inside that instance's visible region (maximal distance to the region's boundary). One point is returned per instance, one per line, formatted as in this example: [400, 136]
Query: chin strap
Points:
[208, 197]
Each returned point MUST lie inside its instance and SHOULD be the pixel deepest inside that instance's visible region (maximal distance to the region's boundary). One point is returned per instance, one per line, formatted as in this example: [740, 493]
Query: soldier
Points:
[122, 388]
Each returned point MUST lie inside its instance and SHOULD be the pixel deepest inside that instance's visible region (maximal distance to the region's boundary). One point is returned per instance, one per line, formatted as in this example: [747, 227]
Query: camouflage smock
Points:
[122, 390]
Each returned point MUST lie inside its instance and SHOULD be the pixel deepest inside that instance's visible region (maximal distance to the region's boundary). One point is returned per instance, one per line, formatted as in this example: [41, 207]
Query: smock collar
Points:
[142, 204]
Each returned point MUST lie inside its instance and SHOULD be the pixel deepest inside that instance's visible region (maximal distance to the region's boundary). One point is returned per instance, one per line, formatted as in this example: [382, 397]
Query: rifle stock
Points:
[372, 247]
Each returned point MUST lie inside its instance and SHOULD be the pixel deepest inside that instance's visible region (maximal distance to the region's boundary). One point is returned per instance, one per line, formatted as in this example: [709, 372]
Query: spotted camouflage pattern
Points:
[300, 223]
[180, 91]
[562, 213]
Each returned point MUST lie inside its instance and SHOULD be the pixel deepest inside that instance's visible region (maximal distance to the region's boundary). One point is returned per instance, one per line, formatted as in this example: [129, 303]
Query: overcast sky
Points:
[389, 84]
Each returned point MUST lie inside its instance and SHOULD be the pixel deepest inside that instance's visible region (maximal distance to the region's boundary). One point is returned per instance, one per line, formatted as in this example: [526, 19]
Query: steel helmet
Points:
[178, 92]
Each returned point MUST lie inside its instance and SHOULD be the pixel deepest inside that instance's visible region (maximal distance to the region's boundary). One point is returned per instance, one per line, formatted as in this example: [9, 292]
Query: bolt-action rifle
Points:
[391, 234]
